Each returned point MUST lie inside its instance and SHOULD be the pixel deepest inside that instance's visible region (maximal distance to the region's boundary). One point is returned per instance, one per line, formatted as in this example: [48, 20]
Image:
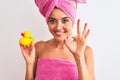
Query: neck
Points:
[58, 44]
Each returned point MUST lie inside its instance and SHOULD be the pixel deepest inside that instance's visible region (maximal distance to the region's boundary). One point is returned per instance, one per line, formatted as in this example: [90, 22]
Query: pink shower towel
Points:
[56, 69]
[67, 6]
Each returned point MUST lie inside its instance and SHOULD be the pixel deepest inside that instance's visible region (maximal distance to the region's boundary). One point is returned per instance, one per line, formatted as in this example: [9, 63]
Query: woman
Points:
[65, 56]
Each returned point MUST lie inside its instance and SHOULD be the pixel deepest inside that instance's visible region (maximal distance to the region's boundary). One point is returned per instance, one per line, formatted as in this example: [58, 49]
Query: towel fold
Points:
[56, 69]
[67, 6]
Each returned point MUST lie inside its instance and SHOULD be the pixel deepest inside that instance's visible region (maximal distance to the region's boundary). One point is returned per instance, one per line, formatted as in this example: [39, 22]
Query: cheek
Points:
[50, 27]
[69, 27]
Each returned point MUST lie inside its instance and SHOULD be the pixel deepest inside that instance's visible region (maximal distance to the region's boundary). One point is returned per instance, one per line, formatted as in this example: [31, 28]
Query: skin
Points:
[60, 26]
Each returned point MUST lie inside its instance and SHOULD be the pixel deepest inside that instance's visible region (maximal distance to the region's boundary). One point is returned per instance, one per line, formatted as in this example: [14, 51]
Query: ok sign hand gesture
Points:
[78, 44]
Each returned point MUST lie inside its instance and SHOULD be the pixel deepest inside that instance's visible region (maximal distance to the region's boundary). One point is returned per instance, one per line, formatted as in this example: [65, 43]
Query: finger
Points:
[33, 50]
[22, 48]
[84, 30]
[87, 34]
[68, 45]
[26, 50]
[78, 27]
[66, 42]
[23, 51]
[72, 38]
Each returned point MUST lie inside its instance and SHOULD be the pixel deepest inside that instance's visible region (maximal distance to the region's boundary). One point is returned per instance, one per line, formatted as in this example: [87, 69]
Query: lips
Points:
[59, 33]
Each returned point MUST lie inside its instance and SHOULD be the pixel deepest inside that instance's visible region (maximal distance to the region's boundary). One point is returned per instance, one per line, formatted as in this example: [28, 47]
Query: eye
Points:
[65, 21]
[52, 21]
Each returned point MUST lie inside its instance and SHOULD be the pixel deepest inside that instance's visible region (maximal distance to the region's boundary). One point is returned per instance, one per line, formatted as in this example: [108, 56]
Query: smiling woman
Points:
[60, 25]
[65, 56]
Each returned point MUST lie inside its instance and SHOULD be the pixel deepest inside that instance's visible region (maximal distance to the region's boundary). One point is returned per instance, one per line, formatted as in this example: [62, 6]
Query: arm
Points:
[82, 53]
[85, 65]
[30, 59]
[30, 71]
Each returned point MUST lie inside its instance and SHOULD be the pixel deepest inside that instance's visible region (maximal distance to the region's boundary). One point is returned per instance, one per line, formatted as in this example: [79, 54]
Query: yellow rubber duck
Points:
[26, 40]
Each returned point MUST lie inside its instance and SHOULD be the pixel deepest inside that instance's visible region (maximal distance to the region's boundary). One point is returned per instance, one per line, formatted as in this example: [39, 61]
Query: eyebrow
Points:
[65, 17]
[55, 18]
[51, 18]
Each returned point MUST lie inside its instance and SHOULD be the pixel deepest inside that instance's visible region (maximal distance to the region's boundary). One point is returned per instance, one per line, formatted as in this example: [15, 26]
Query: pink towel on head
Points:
[67, 6]
[56, 69]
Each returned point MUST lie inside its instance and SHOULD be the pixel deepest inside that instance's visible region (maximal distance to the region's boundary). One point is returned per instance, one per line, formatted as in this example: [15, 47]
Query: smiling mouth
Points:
[59, 33]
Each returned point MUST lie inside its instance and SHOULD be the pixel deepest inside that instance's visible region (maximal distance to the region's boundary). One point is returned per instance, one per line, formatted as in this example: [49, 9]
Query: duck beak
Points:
[22, 34]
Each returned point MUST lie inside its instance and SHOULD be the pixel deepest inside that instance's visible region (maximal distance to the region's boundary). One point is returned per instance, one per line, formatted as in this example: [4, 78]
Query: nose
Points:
[59, 25]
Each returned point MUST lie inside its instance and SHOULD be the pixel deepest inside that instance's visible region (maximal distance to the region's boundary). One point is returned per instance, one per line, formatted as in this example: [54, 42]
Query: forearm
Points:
[29, 72]
[83, 72]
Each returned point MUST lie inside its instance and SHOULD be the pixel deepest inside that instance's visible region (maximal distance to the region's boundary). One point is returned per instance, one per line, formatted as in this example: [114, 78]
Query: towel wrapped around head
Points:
[67, 6]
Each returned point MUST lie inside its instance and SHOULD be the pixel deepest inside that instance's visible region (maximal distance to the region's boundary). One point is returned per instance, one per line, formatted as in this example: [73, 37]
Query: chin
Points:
[59, 38]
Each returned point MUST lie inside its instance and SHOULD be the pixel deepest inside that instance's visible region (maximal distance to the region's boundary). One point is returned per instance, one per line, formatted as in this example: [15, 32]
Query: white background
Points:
[103, 17]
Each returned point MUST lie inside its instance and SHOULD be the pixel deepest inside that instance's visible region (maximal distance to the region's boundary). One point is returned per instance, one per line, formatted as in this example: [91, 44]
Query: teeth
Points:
[59, 32]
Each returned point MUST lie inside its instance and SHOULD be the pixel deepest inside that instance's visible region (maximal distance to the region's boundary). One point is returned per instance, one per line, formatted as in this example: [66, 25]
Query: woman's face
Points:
[60, 25]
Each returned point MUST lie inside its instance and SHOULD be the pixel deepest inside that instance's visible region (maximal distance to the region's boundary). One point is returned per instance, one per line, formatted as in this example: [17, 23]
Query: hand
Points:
[28, 53]
[78, 43]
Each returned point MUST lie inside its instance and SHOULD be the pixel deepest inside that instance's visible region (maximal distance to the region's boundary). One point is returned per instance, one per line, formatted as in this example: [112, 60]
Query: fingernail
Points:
[65, 41]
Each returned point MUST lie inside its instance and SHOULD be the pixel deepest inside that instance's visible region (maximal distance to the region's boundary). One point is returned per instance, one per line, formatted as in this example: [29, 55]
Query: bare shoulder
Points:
[40, 47]
[39, 44]
[88, 52]
[89, 59]
[89, 56]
